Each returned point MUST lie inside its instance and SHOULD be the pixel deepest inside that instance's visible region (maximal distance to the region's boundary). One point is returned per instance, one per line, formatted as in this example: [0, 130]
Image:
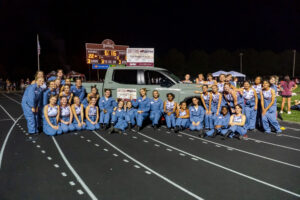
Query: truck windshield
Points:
[171, 75]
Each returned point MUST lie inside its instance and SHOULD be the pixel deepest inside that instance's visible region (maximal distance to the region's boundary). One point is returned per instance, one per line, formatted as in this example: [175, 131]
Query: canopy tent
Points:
[233, 73]
[52, 73]
[73, 74]
[215, 74]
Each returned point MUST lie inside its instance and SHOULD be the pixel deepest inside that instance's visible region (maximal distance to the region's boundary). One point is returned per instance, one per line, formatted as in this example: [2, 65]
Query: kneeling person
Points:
[183, 117]
[221, 123]
[119, 123]
[92, 115]
[51, 117]
[66, 116]
[78, 113]
[237, 124]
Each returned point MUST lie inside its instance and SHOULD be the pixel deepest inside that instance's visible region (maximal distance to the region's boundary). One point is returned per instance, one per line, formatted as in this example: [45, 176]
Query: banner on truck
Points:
[140, 57]
[126, 93]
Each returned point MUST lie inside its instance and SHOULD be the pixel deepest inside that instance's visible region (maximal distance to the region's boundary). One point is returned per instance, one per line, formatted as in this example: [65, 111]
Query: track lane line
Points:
[149, 169]
[11, 99]
[223, 167]
[78, 178]
[8, 133]
[273, 144]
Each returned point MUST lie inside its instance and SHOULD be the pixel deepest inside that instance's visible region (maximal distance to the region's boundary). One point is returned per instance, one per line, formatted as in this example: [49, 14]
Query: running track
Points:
[143, 165]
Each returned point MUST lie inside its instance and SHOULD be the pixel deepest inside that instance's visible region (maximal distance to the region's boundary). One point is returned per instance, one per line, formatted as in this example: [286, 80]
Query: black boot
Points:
[138, 128]
[155, 127]
[176, 129]
[111, 130]
[227, 134]
[240, 137]
[202, 134]
[101, 126]
[129, 126]
[214, 134]
[116, 130]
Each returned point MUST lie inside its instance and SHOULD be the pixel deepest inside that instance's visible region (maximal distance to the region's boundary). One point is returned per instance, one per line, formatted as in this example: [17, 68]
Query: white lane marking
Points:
[145, 141]
[191, 138]
[149, 169]
[11, 99]
[274, 144]
[88, 140]
[80, 192]
[76, 133]
[218, 145]
[43, 151]
[6, 120]
[169, 149]
[125, 160]
[295, 129]
[195, 159]
[243, 151]
[157, 145]
[30, 137]
[147, 172]
[134, 137]
[8, 134]
[33, 141]
[82, 183]
[72, 183]
[204, 142]
[97, 145]
[24, 131]
[105, 149]
[225, 168]
[285, 135]
[182, 154]
[179, 135]
[81, 136]
[115, 155]
[136, 166]
[64, 174]
[56, 165]
[49, 158]
[38, 146]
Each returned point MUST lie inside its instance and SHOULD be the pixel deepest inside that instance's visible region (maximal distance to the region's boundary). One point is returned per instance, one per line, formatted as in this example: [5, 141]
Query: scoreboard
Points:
[106, 53]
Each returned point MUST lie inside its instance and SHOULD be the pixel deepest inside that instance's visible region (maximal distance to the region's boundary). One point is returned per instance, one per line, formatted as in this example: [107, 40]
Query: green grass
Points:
[295, 116]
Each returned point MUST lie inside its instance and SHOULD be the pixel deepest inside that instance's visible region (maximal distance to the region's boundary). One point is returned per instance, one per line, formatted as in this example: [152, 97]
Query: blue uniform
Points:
[229, 101]
[79, 92]
[215, 103]
[207, 117]
[250, 112]
[196, 115]
[143, 105]
[93, 116]
[119, 119]
[52, 114]
[258, 89]
[220, 87]
[269, 119]
[47, 94]
[156, 110]
[65, 95]
[78, 114]
[65, 116]
[220, 120]
[53, 78]
[241, 130]
[108, 104]
[170, 119]
[31, 99]
[131, 116]
[182, 122]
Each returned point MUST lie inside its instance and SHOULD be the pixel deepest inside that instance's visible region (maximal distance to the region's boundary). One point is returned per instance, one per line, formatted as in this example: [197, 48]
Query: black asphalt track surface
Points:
[144, 165]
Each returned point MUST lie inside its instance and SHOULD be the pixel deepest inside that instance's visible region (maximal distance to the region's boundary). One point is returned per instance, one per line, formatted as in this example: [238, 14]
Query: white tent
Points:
[215, 74]
[233, 73]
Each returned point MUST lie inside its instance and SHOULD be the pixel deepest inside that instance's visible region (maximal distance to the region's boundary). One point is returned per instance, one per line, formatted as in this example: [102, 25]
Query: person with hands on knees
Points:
[130, 115]
[78, 89]
[221, 123]
[196, 116]
[51, 118]
[169, 109]
[119, 123]
[78, 114]
[66, 116]
[182, 117]
[106, 105]
[30, 102]
[237, 124]
[269, 109]
[206, 99]
[92, 115]
[156, 109]
[143, 107]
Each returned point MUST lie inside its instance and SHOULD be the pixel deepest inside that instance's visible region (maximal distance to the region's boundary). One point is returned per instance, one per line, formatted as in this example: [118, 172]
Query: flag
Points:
[38, 45]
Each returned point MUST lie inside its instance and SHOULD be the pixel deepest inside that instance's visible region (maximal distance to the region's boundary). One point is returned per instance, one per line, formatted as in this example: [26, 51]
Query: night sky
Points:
[64, 27]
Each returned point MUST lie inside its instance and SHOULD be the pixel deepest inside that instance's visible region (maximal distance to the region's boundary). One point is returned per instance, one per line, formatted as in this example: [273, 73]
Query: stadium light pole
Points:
[294, 62]
[241, 62]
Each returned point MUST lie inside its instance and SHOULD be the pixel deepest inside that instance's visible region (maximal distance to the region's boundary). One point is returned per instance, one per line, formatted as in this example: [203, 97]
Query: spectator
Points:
[187, 79]
[286, 87]
[8, 86]
[22, 85]
[296, 106]
[200, 79]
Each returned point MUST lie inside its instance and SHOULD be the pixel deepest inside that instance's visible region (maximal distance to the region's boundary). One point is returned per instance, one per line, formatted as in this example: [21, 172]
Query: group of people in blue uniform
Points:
[221, 109]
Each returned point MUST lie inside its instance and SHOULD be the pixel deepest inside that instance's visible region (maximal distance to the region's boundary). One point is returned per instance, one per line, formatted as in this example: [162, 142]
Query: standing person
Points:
[234, 82]
[51, 91]
[51, 117]
[182, 117]
[187, 78]
[119, 123]
[216, 101]
[210, 81]
[27, 82]
[221, 123]
[237, 124]
[94, 93]
[78, 114]
[78, 89]
[30, 103]
[8, 85]
[230, 97]
[92, 115]
[58, 85]
[206, 99]
[221, 83]
[258, 87]
[269, 108]
[200, 80]
[66, 93]
[22, 85]
[196, 116]
[39, 74]
[156, 109]
[106, 105]
[287, 86]
[250, 102]
[169, 110]
[130, 115]
[66, 116]
[59, 76]
[143, 107]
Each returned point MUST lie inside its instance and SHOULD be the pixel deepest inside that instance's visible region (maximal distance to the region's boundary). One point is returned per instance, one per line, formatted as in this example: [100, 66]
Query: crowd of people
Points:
[221, 108]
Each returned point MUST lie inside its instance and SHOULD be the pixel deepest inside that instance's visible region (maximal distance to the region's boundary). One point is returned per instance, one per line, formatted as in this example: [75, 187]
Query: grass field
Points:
[295, 116]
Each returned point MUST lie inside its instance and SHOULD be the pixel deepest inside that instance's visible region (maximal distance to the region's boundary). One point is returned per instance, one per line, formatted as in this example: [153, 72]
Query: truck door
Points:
[154, 80]
[124, 82]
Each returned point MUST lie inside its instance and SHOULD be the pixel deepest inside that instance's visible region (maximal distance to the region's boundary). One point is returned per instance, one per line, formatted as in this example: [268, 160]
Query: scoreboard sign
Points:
[106, 53]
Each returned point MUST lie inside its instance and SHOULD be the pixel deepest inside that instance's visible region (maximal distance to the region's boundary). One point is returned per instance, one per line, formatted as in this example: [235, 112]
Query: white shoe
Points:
[289, 112]
[281, 112]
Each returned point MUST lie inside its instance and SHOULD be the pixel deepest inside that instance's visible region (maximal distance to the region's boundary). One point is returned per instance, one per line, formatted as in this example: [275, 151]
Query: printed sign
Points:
[126, 93]
[97, 66]
[140, 57]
